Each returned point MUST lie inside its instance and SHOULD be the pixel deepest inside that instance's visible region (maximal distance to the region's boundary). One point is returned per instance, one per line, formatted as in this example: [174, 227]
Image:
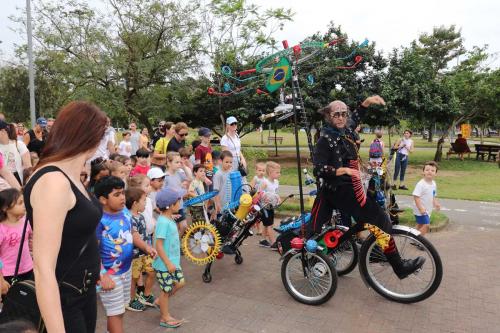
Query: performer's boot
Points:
[404, 267]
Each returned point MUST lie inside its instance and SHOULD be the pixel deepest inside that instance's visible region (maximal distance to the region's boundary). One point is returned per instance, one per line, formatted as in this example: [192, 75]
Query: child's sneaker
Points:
[147, 300]
[135, 305]
[264, 243]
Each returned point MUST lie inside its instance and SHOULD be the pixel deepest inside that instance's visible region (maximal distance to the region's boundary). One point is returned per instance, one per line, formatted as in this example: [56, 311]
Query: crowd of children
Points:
[142, 223]
[143, 220]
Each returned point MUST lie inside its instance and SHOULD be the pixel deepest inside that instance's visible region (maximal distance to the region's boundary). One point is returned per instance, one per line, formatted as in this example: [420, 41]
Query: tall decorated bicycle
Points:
[313, 247]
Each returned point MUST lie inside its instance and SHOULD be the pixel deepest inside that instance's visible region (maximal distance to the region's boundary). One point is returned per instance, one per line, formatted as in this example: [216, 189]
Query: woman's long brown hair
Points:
[79, 127]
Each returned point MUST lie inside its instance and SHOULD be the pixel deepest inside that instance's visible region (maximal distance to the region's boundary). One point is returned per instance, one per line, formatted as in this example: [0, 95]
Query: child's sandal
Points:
[171, 323]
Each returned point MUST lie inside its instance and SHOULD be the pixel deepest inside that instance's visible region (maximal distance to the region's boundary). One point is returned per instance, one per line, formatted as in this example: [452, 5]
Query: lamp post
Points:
[31, 74]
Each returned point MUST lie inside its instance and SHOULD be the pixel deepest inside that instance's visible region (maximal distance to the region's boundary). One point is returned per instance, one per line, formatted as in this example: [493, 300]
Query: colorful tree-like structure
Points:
[276, 70]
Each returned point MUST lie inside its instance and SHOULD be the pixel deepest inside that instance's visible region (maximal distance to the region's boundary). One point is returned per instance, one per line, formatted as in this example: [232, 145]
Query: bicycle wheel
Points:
[378, 273]
[310, 278]
[345, 257]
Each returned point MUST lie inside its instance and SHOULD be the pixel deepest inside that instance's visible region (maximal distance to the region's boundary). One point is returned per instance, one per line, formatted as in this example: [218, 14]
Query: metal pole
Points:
[296, 131]
[31, 73]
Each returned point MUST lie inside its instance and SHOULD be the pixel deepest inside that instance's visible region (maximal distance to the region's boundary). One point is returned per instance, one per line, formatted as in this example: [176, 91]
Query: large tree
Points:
[124, 58]
[413, 91]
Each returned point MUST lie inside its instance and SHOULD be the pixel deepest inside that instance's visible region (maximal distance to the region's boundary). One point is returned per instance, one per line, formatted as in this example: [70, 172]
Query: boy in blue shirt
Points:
[168, 263]
[116, 244]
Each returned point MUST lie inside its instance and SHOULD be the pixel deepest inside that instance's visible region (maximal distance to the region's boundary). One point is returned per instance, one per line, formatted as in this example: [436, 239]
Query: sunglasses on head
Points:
[339, 114]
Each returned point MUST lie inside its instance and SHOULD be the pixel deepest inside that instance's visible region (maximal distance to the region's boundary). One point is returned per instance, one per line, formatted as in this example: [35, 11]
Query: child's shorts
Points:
[115, 300]
[423, 219]
[269, 220]
[197, 213]
[167, 280]
[142, 264]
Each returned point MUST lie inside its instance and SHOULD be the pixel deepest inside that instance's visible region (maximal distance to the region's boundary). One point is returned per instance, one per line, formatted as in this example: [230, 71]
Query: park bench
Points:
[453, 150]
[274, 139]
[490, 150]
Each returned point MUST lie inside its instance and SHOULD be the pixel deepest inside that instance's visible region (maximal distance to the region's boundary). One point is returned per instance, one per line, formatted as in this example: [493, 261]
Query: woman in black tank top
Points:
[64, 217]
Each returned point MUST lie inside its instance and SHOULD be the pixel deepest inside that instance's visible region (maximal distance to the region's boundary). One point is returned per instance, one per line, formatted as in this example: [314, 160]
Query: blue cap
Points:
[203, 131]
[41, 121]
[168, 196]
[231, 120]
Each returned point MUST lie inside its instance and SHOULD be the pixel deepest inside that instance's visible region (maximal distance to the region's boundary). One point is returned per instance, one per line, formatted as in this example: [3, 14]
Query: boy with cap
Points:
[167, 264]
[156, 177]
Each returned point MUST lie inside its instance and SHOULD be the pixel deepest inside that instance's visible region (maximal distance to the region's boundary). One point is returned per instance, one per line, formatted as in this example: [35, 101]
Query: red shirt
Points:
[139, 169]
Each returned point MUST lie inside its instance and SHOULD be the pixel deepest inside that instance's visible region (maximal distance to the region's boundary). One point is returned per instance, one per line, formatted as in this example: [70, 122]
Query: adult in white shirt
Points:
[135, 138]
[404, 148]
[107, 144]
[231, 141]
[15, 153]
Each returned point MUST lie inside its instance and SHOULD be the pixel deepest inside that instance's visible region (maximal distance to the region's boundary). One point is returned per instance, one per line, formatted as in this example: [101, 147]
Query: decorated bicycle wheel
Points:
[201, 243]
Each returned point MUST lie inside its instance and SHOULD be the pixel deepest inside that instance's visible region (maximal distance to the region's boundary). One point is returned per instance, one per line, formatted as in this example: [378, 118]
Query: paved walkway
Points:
[251, 298]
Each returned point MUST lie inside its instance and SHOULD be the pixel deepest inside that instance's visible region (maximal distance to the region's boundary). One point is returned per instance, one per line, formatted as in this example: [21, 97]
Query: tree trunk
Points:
[145, 120]
[439, 151]
[431, 130]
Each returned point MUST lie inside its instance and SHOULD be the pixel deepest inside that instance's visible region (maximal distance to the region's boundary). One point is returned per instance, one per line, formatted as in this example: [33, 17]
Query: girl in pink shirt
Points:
[12, 212]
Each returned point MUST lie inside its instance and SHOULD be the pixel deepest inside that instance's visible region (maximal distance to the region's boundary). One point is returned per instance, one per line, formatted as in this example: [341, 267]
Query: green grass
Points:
[466, 180]
[407, 218]
[260, 139]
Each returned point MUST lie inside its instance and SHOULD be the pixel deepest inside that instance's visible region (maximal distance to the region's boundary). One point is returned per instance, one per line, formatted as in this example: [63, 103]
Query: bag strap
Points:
[23, 237]
[234, 145]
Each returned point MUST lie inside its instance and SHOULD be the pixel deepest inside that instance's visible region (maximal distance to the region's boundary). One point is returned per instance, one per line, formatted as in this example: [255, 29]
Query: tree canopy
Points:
[154, 60]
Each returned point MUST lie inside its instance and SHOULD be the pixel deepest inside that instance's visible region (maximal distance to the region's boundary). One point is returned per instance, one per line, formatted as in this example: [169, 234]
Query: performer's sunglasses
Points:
[338, 114]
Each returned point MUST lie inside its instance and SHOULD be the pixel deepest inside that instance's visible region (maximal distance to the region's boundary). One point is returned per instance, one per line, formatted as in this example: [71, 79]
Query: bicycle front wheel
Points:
[310, 278]
[378, 273]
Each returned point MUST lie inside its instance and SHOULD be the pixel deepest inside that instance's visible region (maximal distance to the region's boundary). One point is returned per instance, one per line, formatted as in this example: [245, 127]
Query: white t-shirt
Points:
[102, 149]
[12, 156]
[233, 144]
[135, 141]
[271, 186]
[426, 192]
[404, 146]
[125, 148]
[148, 216]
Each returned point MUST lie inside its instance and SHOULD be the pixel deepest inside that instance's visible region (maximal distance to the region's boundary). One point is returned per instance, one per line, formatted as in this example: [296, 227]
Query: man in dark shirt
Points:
[461, 146]
[336, 165]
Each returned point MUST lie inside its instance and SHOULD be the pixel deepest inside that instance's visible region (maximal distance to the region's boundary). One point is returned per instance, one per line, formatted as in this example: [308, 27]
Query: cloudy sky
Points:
[389, 23]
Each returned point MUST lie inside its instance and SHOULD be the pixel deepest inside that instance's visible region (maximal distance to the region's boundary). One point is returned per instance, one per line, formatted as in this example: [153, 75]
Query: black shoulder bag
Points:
[20, 301]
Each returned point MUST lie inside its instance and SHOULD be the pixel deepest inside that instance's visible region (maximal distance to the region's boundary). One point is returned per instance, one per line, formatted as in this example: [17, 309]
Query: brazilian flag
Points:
[280, 74]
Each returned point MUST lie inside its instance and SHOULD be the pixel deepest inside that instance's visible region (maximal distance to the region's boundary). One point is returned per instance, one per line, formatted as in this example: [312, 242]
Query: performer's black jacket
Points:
[336, 148]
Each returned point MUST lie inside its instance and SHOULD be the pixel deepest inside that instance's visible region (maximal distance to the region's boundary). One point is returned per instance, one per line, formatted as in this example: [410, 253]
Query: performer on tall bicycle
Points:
[336, 167]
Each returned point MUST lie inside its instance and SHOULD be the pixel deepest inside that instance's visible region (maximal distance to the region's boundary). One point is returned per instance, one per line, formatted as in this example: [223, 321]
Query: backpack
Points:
[375, 149]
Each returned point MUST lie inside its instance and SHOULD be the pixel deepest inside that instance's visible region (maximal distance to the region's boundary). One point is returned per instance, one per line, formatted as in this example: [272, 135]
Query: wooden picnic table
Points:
[486, 150]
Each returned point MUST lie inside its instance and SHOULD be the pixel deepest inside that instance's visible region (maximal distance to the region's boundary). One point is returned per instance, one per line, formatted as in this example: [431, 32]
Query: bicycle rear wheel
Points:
[310, 278]
[378, 273]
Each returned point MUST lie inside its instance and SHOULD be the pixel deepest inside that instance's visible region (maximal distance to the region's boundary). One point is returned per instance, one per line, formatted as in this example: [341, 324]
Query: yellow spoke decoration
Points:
[201, 243]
